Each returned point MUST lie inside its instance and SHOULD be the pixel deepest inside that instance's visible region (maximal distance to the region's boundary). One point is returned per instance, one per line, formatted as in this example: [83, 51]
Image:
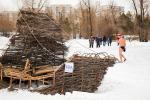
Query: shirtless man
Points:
[122, 44]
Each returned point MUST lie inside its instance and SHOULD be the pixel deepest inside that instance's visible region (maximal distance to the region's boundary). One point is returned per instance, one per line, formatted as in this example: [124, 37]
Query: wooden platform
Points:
[39, 73]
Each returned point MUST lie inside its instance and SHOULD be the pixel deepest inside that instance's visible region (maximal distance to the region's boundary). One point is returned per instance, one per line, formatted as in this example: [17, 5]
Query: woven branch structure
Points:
[39, 38]
[86, 77]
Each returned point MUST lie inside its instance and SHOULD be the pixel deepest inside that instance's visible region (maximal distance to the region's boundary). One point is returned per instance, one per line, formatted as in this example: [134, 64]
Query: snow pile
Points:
[4, 41]
[125, 81]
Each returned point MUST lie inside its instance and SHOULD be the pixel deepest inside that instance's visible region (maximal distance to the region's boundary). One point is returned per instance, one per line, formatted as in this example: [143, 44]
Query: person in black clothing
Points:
[97, 42]
[109, 40]
[100, 40]
[104, 40]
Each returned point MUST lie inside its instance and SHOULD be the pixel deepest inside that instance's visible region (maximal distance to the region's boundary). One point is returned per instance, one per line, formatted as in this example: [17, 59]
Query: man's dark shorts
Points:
[123, 48]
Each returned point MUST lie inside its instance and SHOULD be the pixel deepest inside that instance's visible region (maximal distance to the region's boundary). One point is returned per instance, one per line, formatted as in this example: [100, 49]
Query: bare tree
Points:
[107, 23]
[113, 12]
[141, 8]
[88, 15]
[34, 5]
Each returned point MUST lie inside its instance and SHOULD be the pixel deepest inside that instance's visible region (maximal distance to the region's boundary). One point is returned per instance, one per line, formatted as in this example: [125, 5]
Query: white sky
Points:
[13, 4]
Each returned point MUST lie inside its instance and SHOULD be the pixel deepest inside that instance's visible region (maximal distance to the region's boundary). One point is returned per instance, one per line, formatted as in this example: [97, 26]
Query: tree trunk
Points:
[90, 18]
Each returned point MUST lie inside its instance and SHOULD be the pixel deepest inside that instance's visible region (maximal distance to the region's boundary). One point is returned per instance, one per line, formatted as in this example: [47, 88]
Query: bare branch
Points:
[135, 7]
[42, 5]
[85, 3]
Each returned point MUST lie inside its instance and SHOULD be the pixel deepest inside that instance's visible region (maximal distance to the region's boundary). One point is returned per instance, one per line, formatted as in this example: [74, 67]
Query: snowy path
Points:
[124, 81]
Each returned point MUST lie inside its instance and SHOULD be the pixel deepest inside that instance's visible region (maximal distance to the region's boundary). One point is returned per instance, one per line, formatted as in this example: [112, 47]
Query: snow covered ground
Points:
[4, 41]
[125, 81]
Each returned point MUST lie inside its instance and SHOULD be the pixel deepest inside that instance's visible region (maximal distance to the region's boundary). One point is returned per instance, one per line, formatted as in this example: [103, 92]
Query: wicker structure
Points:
[87, 75]
[39, 39]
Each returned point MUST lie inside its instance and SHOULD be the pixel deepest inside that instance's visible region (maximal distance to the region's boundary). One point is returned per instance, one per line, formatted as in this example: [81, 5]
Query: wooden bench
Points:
[41, 73]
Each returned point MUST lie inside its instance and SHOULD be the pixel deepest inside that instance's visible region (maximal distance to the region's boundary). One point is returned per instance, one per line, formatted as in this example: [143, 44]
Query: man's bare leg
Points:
[124, 57]
[120, 54]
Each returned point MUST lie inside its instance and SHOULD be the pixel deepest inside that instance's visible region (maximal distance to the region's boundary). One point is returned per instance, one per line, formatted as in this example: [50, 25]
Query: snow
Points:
[125, 81]
[4, 41]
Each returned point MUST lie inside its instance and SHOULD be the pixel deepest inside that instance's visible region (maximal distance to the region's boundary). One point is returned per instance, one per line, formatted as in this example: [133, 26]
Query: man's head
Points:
[120, 36]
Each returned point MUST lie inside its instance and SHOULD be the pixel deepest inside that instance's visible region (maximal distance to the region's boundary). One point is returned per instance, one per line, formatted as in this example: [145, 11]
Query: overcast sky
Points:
[13, 4]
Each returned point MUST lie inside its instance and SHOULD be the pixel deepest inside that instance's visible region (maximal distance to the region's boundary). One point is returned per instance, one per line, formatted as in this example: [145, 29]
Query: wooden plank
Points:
[44, 71]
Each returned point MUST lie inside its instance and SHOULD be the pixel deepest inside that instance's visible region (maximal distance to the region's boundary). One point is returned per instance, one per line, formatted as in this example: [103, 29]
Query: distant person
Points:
[109, 40]
[98, 40]
[104, 40]
[91, 41]
[122, 44]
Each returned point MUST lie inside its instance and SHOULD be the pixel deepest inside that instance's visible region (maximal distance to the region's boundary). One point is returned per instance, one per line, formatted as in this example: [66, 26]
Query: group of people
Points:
[100, 41]
[121, 42]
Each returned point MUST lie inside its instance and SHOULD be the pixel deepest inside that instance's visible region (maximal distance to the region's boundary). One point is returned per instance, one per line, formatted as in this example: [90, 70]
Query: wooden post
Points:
[72, 87]
[10, 83]
[54, 79]
[20, 83]
[63, 49]
[82, 75]
[63, 87]
[29, 83]
[1, 71]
